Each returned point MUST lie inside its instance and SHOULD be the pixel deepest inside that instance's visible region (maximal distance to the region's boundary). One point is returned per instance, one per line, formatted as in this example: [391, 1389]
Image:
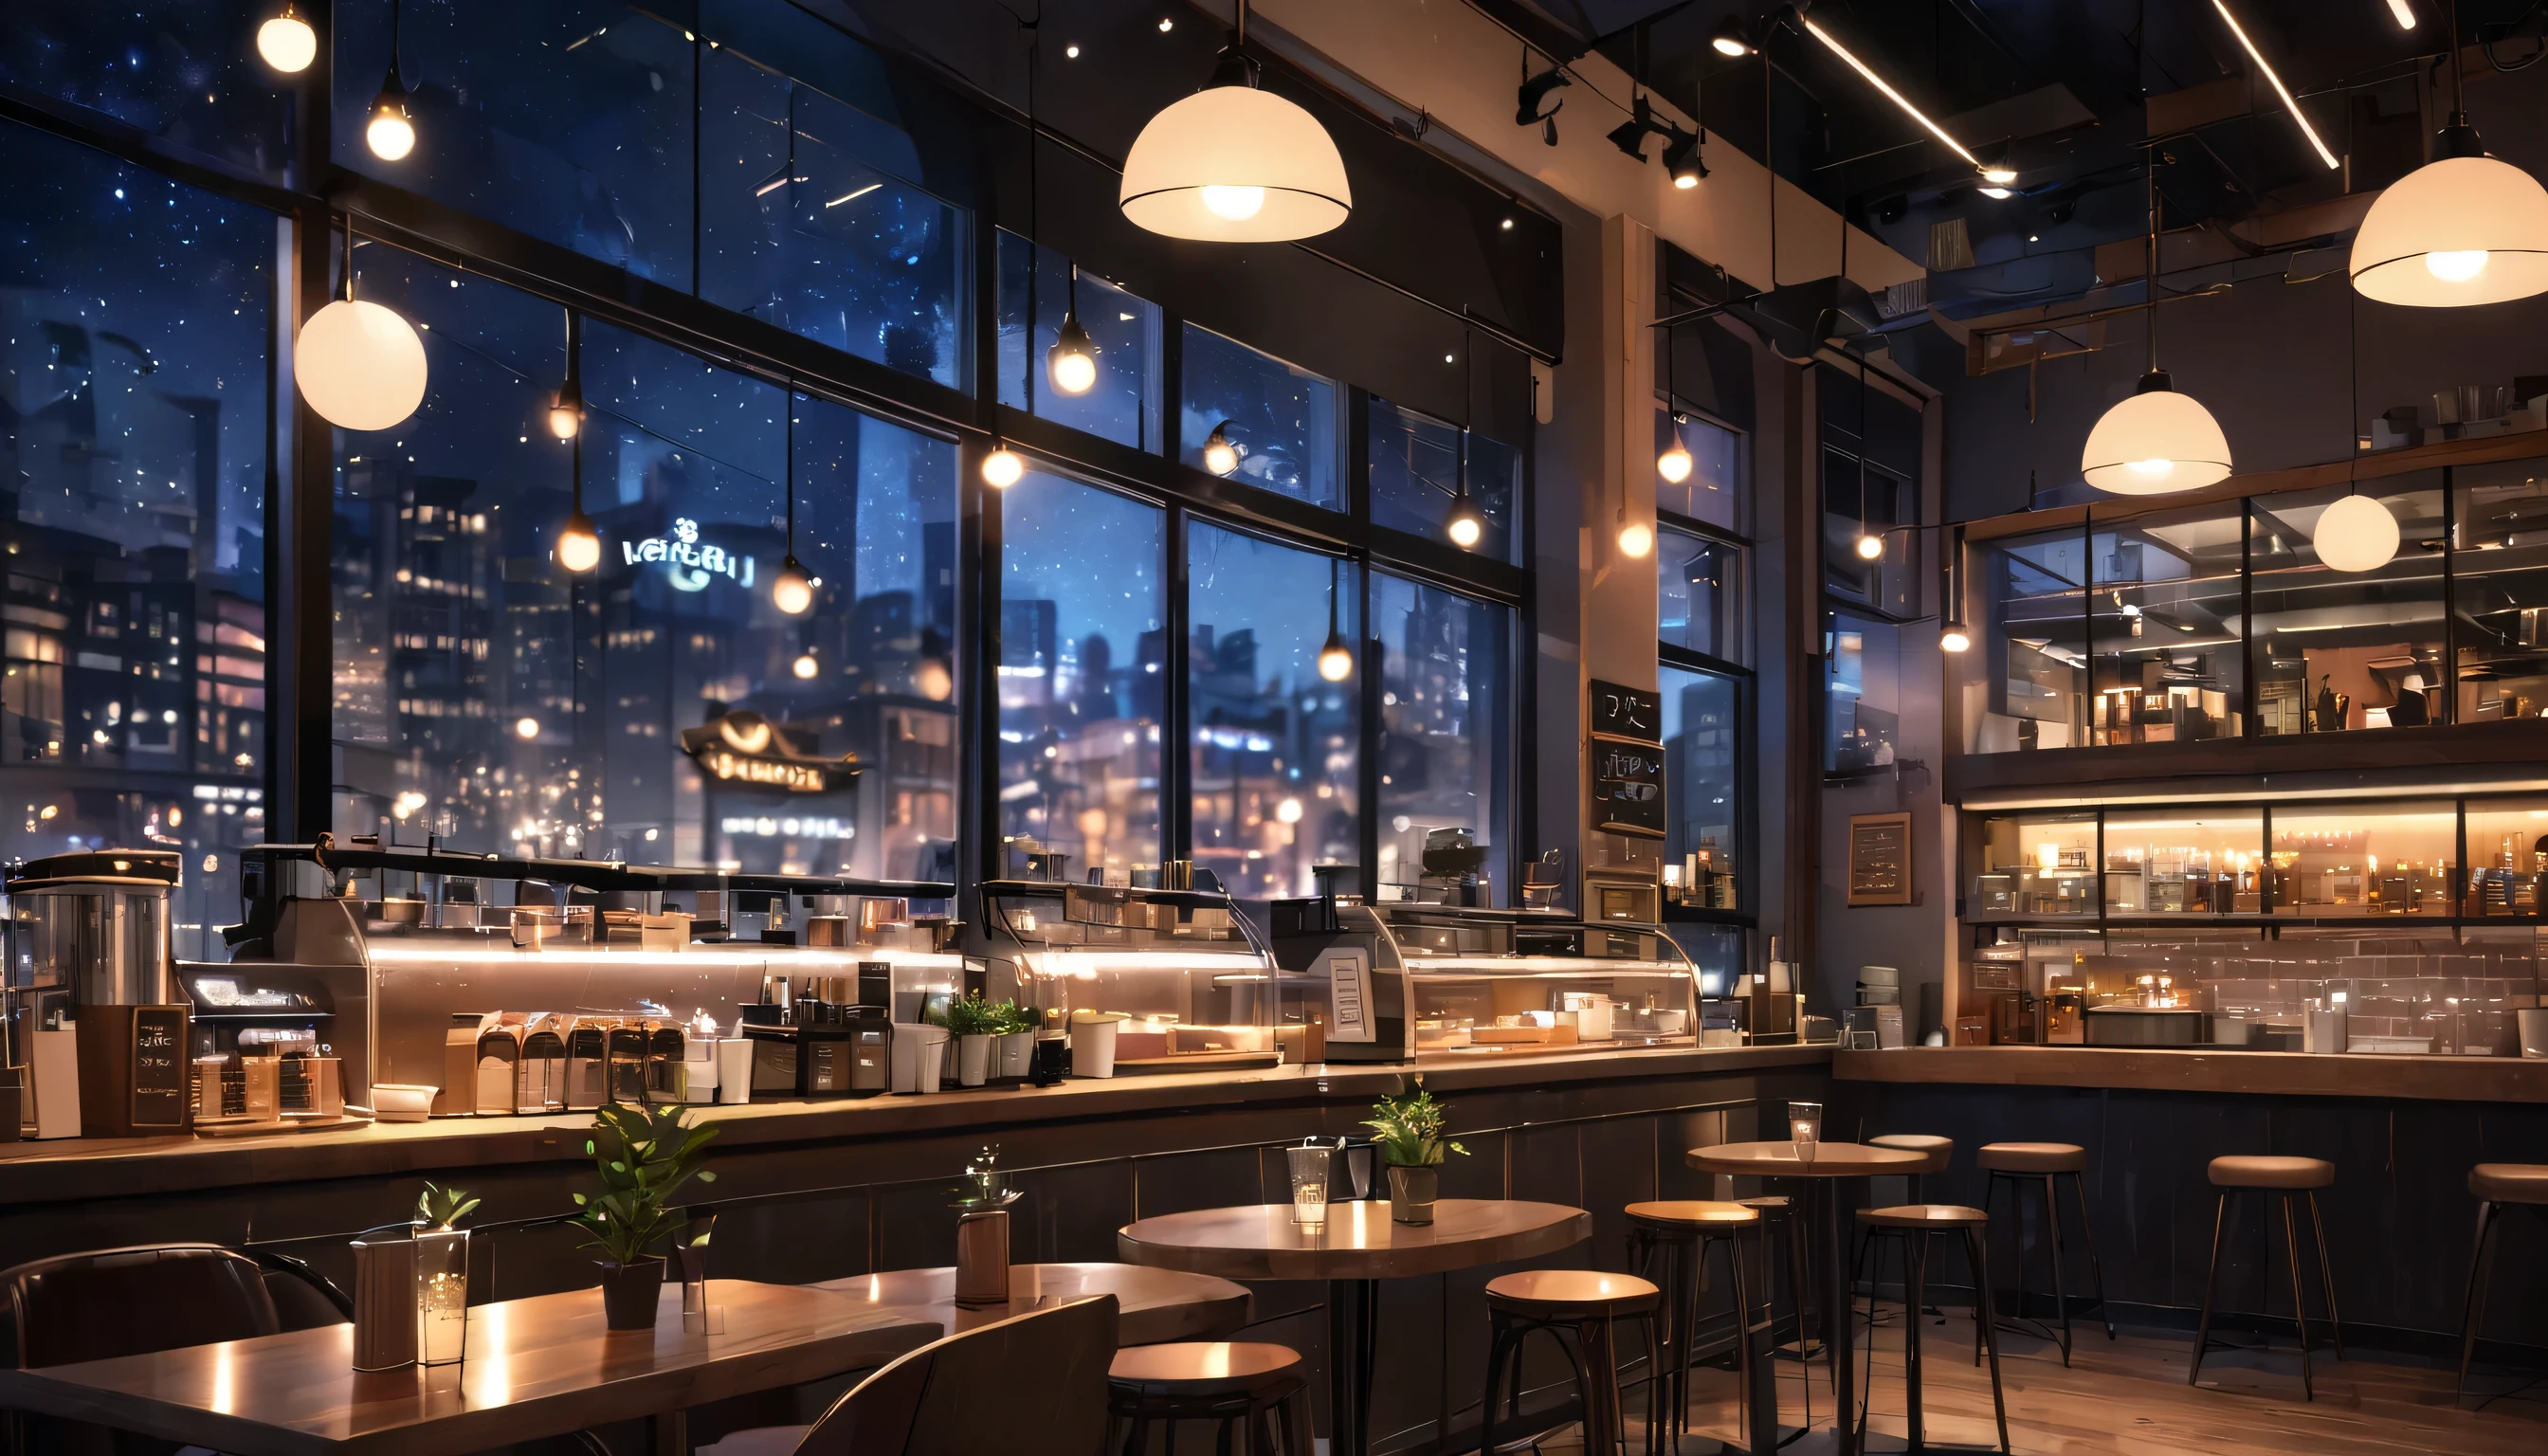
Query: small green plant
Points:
[644, 1156]
[443, 1208]
[974, 1017]
[1411, 1129]
[1015, 1018]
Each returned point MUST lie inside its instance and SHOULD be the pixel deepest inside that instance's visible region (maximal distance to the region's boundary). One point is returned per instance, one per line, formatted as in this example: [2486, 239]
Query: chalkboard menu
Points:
[1626, 755]
[1880, 860]
[132, 1072]
[159, 1092]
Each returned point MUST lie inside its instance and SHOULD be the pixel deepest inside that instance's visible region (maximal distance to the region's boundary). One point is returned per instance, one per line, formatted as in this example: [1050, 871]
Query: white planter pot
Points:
[1016, 1054]
[928, 1055]
[972, 1059]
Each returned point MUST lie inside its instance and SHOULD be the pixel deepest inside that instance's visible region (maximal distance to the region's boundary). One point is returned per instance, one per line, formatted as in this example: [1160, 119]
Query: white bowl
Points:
[395, 1102]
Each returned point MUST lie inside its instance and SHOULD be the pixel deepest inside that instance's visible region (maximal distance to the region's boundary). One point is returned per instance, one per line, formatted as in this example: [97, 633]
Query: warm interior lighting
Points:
[1071, 362]
[1233, 163]
[2405, 14]
[1999, 176]
[579, 546]
[526, 728]
[1674, 464]
[360, 365]
[2281, 90]
[1219, 452]
[391, 134]
[1871, 546]
[1463, 524]
[1681, 159]
[2155, 442]
[1002, 468]
[793, 590]
[1335, 660]
[287, 42]
[1954, 638]
[2456, 267]
[1995, 194]
[933, 681]
[2356, 535]
[1729, 39]
[1888, 93]
[805, 665]
[566, 413]
[1636, 538]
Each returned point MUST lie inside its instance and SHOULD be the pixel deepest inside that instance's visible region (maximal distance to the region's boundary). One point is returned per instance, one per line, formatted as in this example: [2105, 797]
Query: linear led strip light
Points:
[1897, 97]
[2281, 90]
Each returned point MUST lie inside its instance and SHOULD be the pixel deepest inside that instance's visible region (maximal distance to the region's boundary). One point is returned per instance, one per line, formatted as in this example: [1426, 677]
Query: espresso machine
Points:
[88, 980]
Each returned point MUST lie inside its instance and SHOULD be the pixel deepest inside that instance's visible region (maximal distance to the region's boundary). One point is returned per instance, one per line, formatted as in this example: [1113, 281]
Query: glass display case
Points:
[2185, 863]
[2507, 852]
[1486, 983]
[2040, 865]
[1188, 972]
[2357, 860]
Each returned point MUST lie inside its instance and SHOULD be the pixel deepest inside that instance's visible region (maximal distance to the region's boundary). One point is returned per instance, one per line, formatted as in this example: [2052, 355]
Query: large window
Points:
[2341, 650]
[1703, 784]
[182, 73]
[1277, 746]
[2169, 627]
[1418, 464]
[1719, 482]
[1288, 423]
[486, 694]
[1702, 597]
[133, 317]
[1443, 748]
[1037, 283]
[1083, 658]
[1863, 693]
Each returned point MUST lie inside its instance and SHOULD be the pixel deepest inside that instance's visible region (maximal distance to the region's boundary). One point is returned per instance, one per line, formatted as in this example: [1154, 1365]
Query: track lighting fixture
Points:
[391, 133]
[1730, 40]
[1234, 164]
[1534, 91]
[1335, 659]
[1682, 161]
[1003, 467]
[792, 592]
[1630, 135]
[1219, 452]
[359, 365]
[565, 411]
[287, 42]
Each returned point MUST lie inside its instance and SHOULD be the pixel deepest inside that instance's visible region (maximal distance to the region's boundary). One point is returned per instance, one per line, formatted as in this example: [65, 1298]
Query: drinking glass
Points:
[1805, 1126]
[1310, 1184]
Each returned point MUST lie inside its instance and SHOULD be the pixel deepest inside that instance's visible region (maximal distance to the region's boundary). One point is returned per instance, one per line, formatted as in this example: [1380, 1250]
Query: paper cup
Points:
[1092, 1046]
[928, 1055]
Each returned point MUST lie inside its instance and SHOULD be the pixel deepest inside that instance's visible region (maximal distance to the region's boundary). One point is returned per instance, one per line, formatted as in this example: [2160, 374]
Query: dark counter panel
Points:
[2270, 1073]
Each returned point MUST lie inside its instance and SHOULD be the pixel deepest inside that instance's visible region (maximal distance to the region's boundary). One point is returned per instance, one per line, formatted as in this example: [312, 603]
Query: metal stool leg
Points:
[1742, 1335]
[2299, 1302]
[2473, 1304]
[1915, 1251]
[1498, 1331]
[2052, 1237]
[2096, 1275]
[2325, 1276]
[1978, 1255]
[2210, 1278]
[1868, 1248]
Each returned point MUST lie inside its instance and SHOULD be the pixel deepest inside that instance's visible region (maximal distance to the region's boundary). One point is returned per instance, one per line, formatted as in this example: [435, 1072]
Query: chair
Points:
[2284, 1176]
[1914, 1227]
[1260, 1389]
[1935, 1153]
[1031, 1386]
[106, 1303]
[1676, 1235]
[2020, 1164]
[1582, 1308]
[2493, 1185]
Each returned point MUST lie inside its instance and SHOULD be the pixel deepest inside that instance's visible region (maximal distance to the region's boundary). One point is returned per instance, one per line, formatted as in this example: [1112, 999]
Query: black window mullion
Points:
[1367, 768]
[2248, 688]
[979, 713]
[2450, 606]
[1172, 385]
[1176, 734]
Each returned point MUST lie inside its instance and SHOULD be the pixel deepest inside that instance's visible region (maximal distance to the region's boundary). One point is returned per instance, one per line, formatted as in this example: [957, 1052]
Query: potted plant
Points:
[1409, 1127]
[1017, 1027]
[973, 1023]
[644, 1156]
[441, 1275]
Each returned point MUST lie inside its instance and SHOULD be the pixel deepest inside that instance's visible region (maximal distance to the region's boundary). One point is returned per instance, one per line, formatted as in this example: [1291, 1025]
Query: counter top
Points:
[2428, 1079]
[85, 1168]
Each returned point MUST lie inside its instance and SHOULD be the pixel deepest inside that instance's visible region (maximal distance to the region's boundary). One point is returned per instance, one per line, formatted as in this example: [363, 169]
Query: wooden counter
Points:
[2196, 1069]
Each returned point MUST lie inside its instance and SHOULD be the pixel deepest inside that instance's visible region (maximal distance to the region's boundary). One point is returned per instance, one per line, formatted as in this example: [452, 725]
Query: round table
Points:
[1355, 1248]
[1832, 1162]
[1157, 1306]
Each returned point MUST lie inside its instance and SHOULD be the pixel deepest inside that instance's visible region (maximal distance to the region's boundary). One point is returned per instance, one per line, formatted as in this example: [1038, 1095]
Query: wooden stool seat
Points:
[1567, 1294]
[2292, 1173]
[2503, 1183]
[1690, 1216]
[1939, 1150]
[2032, 1158]
[1939, 1215]
[1205, 1368]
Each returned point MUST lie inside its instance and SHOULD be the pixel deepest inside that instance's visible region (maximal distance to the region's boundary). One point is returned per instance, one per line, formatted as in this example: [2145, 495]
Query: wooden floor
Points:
[2130, 1396]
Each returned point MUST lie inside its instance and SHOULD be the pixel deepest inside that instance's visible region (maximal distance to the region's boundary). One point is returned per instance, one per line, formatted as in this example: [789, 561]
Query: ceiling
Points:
[2068, 92]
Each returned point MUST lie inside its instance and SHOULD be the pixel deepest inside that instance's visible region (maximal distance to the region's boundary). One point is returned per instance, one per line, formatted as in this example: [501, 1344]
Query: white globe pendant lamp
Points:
[359, 365]
[286, 41]
[2459, 231]
[2157, 441]
[1233, 163]
[2356, 535]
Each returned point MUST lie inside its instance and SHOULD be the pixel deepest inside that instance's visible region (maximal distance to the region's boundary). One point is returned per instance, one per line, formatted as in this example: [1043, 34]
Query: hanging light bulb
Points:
[1465, 525]
[1219, 452]
[1003, 467]
[934, 680]
[805, 665]
[391, 134]
[287, 42]
[1636, 538]
[1954, 638]
[1335, 659]
[565, 411]
[579, 546]
[1675, 463]
[1871, 546]
[1233, 163]
[359, 365]
[1071, 362]
[2155, 442]
[793, 590]
[2356, 535]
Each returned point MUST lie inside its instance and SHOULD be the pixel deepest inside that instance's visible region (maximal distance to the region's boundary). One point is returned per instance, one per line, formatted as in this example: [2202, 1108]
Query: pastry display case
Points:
[1188, 976]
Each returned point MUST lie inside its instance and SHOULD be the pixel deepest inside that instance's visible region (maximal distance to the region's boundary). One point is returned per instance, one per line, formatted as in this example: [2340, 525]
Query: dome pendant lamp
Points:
[1335, 659]
[2461, 229]
[2157, 441]
[1234, 164]
[793, 590]
[2356, 533]
[359, 365]
[391, 133]
[286, 41]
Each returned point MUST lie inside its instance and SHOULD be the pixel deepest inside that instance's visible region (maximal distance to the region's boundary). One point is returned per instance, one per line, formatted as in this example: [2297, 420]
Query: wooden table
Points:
[536, 1367]
[1353, 1250]
[1832, 1162]
[1158, 1305]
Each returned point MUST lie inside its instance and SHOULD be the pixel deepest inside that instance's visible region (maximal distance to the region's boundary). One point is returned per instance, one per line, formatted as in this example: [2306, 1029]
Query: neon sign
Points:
[689, 565]
[746, 749]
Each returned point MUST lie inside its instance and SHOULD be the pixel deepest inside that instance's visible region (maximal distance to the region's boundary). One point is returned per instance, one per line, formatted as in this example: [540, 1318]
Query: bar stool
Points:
[1678, 1234]
[1580, 1308]
[2021, 1164]
[1255, 1388]
[1914, 1228]
[1939, 1153]
[2271, 1175]
[2493, 1185]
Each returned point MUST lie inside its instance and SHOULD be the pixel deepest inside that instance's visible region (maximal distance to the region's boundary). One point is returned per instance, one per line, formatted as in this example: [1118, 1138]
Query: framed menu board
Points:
[1880, 860]
[1626, 756]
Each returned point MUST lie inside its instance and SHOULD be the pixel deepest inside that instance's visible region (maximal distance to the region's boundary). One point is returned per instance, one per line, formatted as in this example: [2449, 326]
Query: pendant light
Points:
[1003, 467]
[793, 590]
[1071, 362]
[391, 133]
[565, 411]
[2462, 228]
[287, 42]
[1953, 636]
[359, 365]
[1871, 544]
[1465, 525]
[2357, 533]
[2157, 441]
[1234, 164]
[1220, 451]
[1335, 659]
[1674, 464]
[578, 545]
